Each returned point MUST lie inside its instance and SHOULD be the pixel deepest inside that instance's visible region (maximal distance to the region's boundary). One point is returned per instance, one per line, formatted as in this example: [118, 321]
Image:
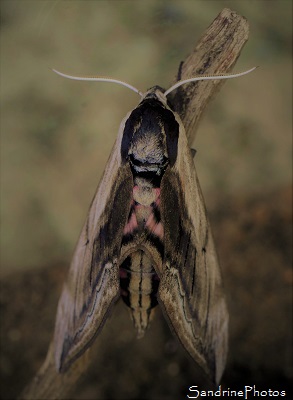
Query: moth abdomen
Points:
[139, 286]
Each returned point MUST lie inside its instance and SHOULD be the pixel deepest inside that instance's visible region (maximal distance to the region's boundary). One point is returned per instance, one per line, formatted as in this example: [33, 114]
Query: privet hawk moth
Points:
[147, 239]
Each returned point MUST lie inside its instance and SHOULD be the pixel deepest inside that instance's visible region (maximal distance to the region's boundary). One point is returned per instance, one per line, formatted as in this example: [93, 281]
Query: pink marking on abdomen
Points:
[148, 212]
[131, 224]
[155, 227]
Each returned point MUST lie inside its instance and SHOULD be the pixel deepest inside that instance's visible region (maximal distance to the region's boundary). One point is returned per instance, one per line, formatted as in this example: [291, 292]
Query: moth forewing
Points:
[92, 285]
[190, 290]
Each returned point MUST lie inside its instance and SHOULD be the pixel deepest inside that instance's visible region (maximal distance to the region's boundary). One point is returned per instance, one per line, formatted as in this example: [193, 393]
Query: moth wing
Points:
[92, 284]
[191, 292]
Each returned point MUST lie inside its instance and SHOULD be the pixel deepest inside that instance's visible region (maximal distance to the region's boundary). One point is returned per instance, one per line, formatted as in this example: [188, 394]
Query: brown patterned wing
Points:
[191, 292]
[92, 285]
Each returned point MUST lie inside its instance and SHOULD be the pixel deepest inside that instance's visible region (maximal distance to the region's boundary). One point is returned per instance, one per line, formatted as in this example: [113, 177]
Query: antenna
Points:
[99, 79]
[207, 77]
[175, 86]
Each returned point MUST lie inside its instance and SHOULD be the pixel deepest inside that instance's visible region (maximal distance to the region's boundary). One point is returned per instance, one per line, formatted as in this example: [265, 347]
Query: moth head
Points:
[156, 90]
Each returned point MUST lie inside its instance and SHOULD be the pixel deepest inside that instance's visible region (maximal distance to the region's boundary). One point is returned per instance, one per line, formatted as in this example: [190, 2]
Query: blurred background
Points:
[56, 136]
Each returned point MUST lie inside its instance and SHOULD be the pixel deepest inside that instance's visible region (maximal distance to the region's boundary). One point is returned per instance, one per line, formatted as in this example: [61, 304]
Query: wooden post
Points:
[217, 51]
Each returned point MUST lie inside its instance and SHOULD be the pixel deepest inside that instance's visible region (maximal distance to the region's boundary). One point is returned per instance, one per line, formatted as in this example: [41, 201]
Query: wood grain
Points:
[217, 51]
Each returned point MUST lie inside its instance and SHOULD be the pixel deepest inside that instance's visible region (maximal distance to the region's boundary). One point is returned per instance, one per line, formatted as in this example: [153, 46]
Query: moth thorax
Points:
[148, 147]
[147, 153]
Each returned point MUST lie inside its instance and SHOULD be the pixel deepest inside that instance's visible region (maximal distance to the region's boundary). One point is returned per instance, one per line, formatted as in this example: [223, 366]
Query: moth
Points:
[147, 240]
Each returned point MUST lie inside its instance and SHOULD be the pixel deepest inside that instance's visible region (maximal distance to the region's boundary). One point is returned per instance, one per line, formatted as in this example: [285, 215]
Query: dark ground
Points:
[254, 241]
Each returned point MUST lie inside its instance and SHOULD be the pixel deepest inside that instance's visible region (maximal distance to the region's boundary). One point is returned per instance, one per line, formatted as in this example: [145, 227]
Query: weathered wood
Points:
[49, 384]
[216, 51]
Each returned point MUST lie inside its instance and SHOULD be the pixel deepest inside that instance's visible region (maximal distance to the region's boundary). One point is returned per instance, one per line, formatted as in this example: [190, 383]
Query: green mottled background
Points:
[56, 134]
